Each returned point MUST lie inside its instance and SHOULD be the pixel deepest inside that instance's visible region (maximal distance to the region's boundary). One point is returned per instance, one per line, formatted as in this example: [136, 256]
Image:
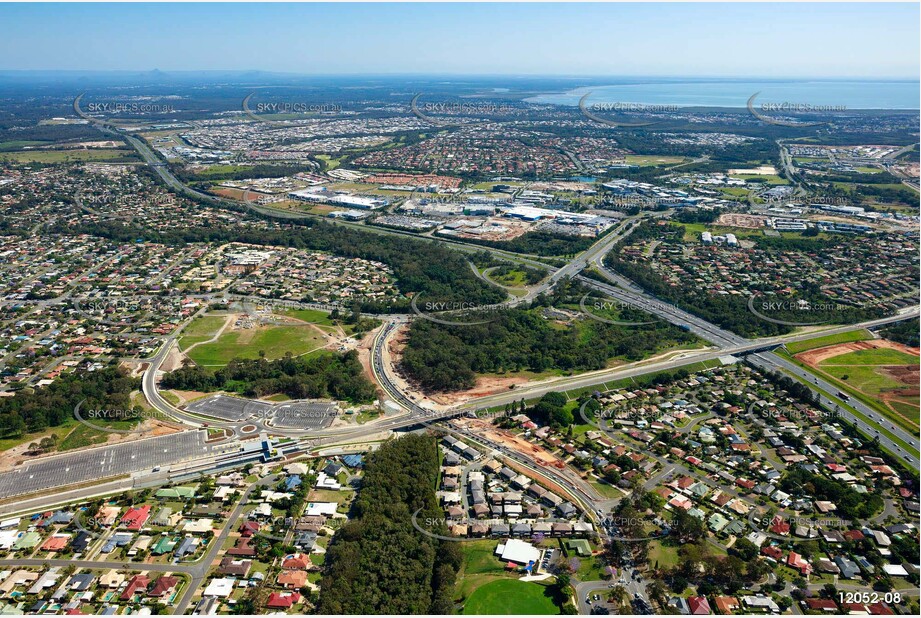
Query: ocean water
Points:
[857, 94]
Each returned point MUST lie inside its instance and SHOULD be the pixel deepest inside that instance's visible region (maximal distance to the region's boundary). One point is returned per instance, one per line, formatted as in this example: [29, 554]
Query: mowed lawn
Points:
[479, 568]
[510, 597]
[314, 316]
[795, 347]
[275, 341]
[62, 156]
[863, 369]
[201, 329]
[514, 278]
[865, 372]
[653, 160]
[875, 356]
[662, 556]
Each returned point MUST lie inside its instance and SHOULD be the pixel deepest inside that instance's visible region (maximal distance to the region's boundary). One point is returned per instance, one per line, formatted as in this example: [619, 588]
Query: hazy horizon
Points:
[781, 41]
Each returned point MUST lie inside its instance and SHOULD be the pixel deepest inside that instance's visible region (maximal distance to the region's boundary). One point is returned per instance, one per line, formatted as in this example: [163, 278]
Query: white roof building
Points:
[199, 526]
[327, 482]
[519, 552]
[895, 569]
[321, 508]
[221, 587]
[7, 538]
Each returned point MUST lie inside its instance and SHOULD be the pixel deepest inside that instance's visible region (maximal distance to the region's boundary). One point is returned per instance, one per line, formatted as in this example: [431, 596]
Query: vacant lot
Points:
[662, 556]
[201, 329]
[820, 342]
[64, 156]
[274, 341]
[653, 160]
[881, 373]
[510, 597]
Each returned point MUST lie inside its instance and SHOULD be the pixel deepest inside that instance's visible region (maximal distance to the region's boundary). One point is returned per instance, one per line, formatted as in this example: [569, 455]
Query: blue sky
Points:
[690, 39]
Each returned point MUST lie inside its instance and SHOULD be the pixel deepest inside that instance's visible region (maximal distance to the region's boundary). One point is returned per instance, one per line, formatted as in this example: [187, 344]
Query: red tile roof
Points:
[136, 517]
[772, 552]
[879, 609]
[297, 561]
[822, 604]
[164, 584]
[136, 583]
[779, 526]
[699, 605]
[279, 600]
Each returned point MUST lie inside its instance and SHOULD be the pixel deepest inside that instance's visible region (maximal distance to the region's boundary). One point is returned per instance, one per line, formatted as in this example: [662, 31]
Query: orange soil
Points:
[819, 355]
[906, 374]
[483, 428]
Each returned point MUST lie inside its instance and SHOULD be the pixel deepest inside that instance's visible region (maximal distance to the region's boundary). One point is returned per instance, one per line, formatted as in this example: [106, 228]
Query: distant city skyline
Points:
[822, 40]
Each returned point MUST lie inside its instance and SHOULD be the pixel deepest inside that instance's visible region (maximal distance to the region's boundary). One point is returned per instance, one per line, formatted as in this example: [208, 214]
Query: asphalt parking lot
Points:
[228, 408]
[98, 463]
[304, 415]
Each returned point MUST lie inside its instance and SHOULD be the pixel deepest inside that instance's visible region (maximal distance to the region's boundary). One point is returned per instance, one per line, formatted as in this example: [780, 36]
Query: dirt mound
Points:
[906, 374]
[484, 386]
[819, 355]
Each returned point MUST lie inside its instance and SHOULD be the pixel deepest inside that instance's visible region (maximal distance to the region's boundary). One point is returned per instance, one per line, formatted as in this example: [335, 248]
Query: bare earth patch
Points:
[364, 353]
[484, 386]
[173, 360]
[187, 396]
[819, 355]
[906, 374]
[486, 429]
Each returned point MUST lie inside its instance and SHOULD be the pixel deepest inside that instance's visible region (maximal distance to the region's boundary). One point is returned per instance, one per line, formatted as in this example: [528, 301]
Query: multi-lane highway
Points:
[110, 462]
[723, 342]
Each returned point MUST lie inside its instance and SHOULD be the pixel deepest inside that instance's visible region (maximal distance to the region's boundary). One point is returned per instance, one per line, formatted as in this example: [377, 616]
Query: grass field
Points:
[479, 567]
[513, 279]
[221, 170]
[331, 162]
[60, 431]
[878, 356]
[573, 394]
[510, 597]
[653, 160]
[876, 405]
[275, 341]
[865, 371]
[321, 320]
[19, 144]
[867, 379]
[661, 555]
[591, 568]
[65, 156]
[820, 342]
[734, 191]
[770, 179]
[605, 489]
[906, 410]
[314, 316]
[71, 434]
[84, 435]
[201, 329]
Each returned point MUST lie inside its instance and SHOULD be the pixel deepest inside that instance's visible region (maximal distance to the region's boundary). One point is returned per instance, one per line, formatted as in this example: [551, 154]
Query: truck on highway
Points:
[843, 396]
